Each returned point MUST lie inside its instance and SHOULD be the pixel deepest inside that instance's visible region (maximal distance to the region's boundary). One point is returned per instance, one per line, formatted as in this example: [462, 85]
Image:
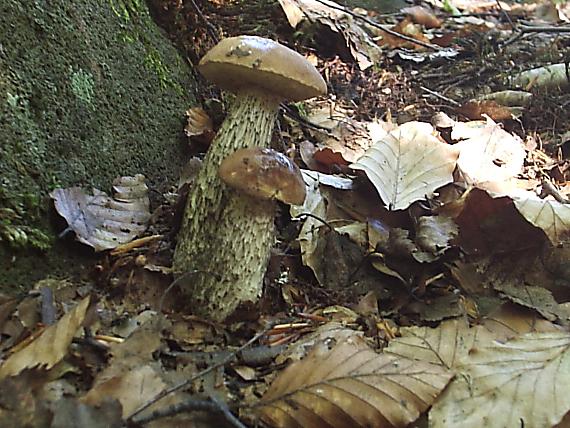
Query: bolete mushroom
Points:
[265, 174]
[226, 235]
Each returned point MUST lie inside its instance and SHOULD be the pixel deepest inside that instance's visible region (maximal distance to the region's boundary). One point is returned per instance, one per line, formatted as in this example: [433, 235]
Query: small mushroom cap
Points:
[264, 174]
[254, 62]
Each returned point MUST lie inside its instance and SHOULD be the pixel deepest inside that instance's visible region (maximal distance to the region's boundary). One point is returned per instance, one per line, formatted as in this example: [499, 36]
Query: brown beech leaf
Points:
[523, 382]
[421, 15]
[407, 165]
[351, 385]
[50, 347]
[444, 345]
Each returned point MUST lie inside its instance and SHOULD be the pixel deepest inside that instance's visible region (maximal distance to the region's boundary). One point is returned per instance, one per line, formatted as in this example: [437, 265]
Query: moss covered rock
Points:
[89, 90]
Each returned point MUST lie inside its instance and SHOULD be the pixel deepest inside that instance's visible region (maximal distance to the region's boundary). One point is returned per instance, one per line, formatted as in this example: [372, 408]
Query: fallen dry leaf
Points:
[199, 125]
[326, 12]
[547, 214]
[103, 222]
[50, 347]
[488, 154]
[408, 165]
[444, 345]
[434, 234]
[519, 383]
[351, 385]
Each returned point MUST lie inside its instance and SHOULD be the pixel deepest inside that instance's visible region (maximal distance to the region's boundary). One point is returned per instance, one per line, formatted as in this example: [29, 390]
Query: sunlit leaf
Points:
[351, 385]
[523, 382]
[408, 165]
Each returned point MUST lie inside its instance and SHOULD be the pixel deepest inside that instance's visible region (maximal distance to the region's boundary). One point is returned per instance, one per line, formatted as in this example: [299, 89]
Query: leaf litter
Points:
[424, 280]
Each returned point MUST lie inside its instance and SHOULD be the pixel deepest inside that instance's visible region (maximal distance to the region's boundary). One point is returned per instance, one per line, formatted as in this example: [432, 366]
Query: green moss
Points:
[14, 232]
[82, 85]
[89, 90]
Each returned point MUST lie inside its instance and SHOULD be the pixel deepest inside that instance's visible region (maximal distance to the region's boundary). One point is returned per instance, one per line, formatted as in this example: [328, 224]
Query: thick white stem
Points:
[226, 236]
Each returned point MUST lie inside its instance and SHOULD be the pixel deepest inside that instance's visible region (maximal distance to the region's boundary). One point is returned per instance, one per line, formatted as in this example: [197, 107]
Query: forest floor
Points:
[409, 297]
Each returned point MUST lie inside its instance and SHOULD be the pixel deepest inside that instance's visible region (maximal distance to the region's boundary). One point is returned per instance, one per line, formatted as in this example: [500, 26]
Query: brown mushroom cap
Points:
[264, 173]
[250, 61]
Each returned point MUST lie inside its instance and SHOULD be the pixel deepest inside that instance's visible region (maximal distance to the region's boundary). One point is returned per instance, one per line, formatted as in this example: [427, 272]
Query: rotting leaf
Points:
[435, 233]
[523, 382]
[537, 298]
[408, 165]
[351, 385]
[103, 222]
[50, 347]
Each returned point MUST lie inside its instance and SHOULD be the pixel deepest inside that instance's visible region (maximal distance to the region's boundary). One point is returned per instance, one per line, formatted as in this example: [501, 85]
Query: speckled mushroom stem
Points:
[225, 235]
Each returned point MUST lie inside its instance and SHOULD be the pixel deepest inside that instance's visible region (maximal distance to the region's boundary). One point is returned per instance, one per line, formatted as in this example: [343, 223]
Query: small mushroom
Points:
[225, 239]
[265, 174]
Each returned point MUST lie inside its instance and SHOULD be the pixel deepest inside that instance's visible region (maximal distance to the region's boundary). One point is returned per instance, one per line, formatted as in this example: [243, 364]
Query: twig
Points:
[549, 189]
[381, 27]
[304, 215]
[48, 307]
[544, 29]
[506, 15]
[438, 95]
[211, 29]
[204, 372]
[192, 405]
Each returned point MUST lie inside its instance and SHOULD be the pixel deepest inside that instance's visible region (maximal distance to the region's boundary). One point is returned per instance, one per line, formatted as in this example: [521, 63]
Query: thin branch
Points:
[204, 372]
[193, 405]
[381, 27]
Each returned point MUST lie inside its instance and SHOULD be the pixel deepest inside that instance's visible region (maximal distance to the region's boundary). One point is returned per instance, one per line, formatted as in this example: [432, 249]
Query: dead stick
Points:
[204, 372]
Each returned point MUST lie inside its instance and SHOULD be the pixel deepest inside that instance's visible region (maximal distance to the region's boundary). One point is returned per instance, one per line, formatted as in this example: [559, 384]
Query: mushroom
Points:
[226, 235]
[265, 174]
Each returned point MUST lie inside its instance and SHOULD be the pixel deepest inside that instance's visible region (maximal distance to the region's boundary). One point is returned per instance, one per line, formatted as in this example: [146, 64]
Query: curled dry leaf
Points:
[351, 385]
[477, 109]
[547, 214]
[103, 222]
[408, 165]
[523, 382]
[361, 45]
[309, 234]
[199, 125]
[347, 139]
[50, 347]
[509, 98]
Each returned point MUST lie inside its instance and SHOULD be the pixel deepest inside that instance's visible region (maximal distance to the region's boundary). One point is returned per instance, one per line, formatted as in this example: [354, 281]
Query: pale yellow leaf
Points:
[50, 347]
[351, 385]
[408, 165]
[523, 382]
